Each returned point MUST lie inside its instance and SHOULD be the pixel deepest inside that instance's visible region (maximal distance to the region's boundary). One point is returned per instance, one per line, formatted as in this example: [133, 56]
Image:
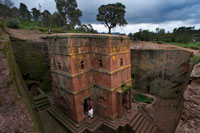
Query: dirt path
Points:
[29, 35]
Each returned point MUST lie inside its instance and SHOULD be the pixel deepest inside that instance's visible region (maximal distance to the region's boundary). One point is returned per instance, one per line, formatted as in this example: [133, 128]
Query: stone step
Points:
[42, 104]
[137, 124]
[110, 123]
[68, 123]
[141, 126]
[94, 126]
[64, 116]
[40, 97]
[131, 115]
[62, 120]
[145, 127]
[123, 122]
[149, 128]
[138, 115]
[41, 101]
[44, 107]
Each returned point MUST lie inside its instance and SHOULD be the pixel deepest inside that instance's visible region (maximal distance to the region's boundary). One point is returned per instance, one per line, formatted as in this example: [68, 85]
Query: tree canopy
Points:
[36, 14]
[111, 15]
[24, 12]
[46, 16]
[69, 12]
[179, 35]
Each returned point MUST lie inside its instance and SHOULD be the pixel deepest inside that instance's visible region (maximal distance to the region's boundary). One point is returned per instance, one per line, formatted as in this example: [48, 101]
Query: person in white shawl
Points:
[90, 113]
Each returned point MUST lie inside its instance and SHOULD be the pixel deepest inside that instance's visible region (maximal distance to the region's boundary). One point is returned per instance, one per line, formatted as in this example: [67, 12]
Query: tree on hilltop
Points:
[36, 14]
[46, 18]
[111, 15]
[69, 12]
[24, 12]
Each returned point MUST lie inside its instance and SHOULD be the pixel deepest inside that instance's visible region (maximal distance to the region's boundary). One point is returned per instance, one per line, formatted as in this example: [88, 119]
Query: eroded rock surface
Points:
[14, 116]
[190, 119]
[161, 72]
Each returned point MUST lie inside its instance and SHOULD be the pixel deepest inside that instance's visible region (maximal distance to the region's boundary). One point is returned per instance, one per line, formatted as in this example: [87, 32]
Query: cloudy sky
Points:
[144, 14]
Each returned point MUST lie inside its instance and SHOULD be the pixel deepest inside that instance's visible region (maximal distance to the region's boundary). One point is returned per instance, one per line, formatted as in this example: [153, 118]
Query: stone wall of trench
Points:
[161, 72]
[17, 113]
[190, 117]
[32, 59]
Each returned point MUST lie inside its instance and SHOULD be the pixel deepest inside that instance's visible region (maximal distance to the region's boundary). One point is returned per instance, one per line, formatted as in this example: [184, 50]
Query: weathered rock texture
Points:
[14, 116]
[190, 119]
[32, 59]
[162, 72]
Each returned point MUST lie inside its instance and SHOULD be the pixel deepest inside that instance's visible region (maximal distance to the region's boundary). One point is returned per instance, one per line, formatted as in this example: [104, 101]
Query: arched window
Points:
[82, 65]
[100, 63]
[121, 62]
[59, 66]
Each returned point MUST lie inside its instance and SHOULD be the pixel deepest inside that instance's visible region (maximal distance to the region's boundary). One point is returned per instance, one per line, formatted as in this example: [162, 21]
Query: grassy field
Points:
[33, 25]
[195, 60]
[142, 98]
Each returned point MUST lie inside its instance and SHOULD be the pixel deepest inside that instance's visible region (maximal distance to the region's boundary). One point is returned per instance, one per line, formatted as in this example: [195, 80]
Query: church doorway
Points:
[86, 105]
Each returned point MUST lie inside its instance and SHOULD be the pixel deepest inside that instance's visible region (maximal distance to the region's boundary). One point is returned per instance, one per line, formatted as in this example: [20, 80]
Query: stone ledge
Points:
[81, 35]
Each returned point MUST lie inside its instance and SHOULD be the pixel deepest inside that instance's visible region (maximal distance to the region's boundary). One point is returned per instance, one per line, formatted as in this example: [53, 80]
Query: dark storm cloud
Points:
[137, 11]
[147, 11]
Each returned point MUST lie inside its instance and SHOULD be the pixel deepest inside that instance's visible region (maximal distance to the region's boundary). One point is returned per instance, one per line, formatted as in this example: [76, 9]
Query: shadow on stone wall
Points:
[32, 59]
[164, 73]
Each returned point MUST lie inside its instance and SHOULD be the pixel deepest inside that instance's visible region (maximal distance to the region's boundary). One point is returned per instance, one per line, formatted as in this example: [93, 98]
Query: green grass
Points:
[194, 60]
[28, 24]
[189, 45]
[34, 25]
[142, 98]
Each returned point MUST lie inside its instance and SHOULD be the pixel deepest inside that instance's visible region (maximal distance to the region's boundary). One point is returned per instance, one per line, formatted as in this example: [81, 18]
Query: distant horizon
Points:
[140, 14]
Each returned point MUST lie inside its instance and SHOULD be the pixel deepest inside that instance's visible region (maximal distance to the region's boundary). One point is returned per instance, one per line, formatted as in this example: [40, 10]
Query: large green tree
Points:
[111, 15]
[35, 14]
[24, 12]
[46, 18]
[56, 20]
[69, 12]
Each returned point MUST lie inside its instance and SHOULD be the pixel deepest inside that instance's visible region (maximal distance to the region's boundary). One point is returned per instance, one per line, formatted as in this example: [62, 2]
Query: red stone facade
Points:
[90, 71]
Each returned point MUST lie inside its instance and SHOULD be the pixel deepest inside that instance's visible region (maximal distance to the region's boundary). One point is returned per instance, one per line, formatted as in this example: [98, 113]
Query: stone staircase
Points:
[41, 101]
[134, 119]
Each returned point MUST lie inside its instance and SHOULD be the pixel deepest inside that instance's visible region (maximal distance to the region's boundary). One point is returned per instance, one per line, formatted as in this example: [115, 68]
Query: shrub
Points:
[12, 23]
[2, 26]
[142, 98]
[194, 60]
